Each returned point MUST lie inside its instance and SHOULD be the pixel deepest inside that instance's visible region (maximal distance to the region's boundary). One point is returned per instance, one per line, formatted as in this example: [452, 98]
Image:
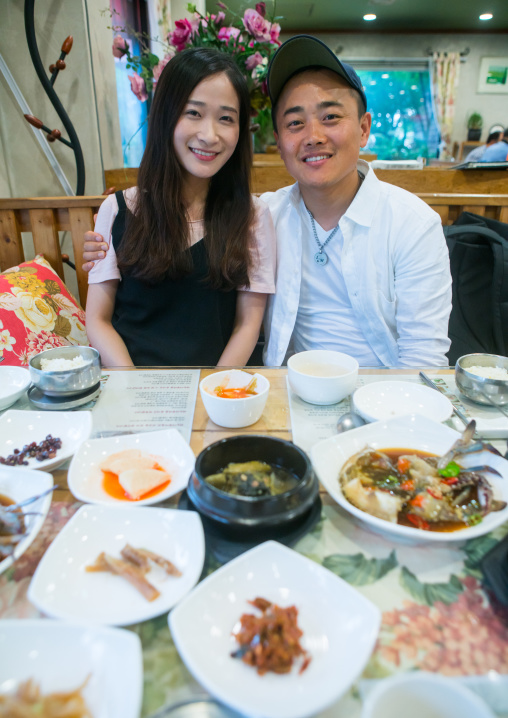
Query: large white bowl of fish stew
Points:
[415, 478]
[253, 481]
[65, 371]
[483, 378]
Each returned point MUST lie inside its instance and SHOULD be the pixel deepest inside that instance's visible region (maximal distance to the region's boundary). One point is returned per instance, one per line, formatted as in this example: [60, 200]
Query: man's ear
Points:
[365, 126]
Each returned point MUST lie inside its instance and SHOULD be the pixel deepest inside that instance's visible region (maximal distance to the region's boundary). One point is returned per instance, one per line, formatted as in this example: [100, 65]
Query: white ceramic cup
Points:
[233, 413]
[423, 695]
[322, 389]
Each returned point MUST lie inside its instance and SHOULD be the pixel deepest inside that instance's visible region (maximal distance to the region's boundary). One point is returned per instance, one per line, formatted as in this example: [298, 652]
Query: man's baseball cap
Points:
[304, 51]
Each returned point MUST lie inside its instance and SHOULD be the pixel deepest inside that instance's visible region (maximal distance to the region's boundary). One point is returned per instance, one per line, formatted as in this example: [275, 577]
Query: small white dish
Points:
[14, 381]
[20, 484]
[406, 432]
[62, 588]
[85, 478]
[339, 625]
[234, 413]
[61, 656]
[423, 695]
[387, 399]
[18, 428]
[318, 389]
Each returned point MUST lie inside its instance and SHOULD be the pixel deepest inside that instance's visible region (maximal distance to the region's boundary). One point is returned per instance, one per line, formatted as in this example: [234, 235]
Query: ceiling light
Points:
[486, 16]
[369, 17]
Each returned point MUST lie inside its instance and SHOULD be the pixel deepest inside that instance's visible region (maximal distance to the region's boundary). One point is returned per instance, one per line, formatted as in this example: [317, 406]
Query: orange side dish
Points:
[236, 392]
[133, 475]
[113, 488]
[271, 642]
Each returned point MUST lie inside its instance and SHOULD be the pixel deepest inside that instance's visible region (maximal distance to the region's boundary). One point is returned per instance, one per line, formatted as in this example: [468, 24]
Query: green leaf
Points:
[357, 569]
[62, 327]
[477, 548]
[429, 593]
[191, 7]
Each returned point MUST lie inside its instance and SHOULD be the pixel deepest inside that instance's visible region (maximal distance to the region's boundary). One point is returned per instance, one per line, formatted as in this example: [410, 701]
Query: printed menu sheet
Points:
[135, 401]
[312, 423]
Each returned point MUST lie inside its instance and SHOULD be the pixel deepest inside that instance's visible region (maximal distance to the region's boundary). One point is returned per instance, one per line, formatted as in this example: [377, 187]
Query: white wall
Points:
[493, 108]
[24, 170]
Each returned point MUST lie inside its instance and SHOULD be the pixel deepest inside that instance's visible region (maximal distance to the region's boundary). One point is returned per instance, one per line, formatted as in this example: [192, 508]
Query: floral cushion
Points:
[36, 313]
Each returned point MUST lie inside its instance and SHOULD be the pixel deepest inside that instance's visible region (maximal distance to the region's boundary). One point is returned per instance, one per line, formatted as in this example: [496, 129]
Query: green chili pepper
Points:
[452, 469]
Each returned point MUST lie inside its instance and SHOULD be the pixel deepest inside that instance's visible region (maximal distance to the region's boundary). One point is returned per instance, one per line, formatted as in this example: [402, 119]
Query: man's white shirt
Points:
[391, 268]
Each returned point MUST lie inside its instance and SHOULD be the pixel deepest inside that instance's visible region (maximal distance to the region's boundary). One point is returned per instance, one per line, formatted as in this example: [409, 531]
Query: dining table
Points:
[438, 615]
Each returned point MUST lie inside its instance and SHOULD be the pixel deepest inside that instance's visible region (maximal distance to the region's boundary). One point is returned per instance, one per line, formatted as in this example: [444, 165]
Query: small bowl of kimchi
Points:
[234, 398]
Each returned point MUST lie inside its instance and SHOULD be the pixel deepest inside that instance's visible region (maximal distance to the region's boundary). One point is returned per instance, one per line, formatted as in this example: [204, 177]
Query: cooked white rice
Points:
[489, 372]
[63, 364]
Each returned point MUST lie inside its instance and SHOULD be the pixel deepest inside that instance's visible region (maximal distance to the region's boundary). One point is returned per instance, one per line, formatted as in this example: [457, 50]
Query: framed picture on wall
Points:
[493, 77]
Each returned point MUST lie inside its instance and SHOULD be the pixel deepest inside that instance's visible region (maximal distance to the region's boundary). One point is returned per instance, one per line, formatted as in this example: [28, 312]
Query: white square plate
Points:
[14, 381]
[20, 483]
[60, 656]
[339, 627]
[62, 588]
[85, 477]
[18, 428]
[406, 432]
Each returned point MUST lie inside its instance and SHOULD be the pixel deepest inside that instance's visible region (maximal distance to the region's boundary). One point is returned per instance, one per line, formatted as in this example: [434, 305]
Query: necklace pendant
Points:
[321, 258]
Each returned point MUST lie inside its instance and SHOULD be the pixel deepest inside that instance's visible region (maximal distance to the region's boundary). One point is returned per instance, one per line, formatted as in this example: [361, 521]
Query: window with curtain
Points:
[399, 97]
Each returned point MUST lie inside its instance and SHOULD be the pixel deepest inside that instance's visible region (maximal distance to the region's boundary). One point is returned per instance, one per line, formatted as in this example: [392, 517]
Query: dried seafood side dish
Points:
[28, 702]
[253, 478]
[133, 566]
[271, 642]
[420, 490]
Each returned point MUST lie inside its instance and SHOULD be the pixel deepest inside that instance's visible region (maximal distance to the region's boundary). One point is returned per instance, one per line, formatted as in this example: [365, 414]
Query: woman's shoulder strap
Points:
[122, 206]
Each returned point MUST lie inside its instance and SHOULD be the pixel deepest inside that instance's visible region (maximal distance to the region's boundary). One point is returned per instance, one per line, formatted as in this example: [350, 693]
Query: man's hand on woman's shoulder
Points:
[93, 249]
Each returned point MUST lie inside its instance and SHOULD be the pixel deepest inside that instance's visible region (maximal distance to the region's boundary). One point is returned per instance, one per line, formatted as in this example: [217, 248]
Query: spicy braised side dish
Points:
[12, 526]
[421, 490]
[271, 641]
[253, 478]
[28, 702]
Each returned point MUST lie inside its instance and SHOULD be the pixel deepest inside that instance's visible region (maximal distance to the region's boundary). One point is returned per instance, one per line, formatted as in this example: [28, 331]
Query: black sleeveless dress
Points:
[182, 322]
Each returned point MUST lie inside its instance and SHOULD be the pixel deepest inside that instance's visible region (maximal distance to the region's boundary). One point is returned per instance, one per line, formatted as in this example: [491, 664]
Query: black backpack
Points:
[478, 250]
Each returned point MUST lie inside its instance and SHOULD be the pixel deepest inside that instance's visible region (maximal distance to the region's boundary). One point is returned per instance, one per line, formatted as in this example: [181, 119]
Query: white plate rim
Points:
[69, 616]
[84, 420]
[445, 405]
[46, 483]
[401, 423]
[131, 640]
[173, 436]
[269, 546]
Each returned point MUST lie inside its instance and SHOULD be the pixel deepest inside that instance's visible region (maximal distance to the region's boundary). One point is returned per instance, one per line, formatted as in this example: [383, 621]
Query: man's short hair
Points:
[493, 137]
[304, 52]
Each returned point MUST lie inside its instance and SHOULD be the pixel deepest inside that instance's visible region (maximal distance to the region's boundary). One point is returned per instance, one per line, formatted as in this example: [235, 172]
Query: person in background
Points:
[497, 152]
[478, 152]
[362, 265]
[190, 255]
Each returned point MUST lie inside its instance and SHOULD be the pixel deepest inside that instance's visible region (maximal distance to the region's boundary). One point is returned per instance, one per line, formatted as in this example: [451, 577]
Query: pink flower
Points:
[219, 18]
[161, 65]
[261, 8]
[138, 87]
[274, 33]
[37, 343]
[225, 33]
[120, 46]
[256, 25]
[181, 34]
[253, 61]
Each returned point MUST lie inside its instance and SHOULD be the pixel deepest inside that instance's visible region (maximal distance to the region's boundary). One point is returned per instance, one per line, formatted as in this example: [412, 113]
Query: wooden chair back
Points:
[44, 217]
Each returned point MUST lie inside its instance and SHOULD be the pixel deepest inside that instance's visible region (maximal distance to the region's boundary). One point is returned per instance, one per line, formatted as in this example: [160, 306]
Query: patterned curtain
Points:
[445, 81]
[159, 19]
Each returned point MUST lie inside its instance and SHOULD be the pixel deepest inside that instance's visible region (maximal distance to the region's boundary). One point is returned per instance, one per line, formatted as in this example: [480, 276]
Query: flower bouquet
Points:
[250, 39]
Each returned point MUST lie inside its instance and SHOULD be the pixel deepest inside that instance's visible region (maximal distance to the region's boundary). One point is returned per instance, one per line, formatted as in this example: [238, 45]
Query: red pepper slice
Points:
[450, 481]
[407, 485]
[418, 521]
[417, 501]
[403, 465]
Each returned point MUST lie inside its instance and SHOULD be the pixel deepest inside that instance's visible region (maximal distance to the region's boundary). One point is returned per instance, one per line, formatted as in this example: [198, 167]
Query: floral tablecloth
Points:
[436, 613]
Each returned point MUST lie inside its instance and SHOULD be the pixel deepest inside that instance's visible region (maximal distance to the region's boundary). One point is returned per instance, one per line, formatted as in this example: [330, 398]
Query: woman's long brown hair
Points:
[157, 234]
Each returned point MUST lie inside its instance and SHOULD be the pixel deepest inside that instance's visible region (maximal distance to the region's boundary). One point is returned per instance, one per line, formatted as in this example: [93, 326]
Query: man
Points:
[362, 266]
[498, 152]
[478, 152]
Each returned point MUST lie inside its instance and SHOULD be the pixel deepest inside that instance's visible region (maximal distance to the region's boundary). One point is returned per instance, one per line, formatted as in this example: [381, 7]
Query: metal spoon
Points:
[348, 421]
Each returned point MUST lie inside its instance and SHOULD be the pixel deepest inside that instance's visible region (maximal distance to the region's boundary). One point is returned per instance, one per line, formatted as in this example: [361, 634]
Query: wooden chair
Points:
[44, 217]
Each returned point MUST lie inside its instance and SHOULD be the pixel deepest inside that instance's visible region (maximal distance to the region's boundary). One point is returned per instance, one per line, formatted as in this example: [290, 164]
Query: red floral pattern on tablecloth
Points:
[467, 637]
[15, 581]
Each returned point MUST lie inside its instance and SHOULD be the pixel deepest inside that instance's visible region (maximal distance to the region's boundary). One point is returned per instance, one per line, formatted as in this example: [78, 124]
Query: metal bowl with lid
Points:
[66, 382]
[246, 512]
[478, 388]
